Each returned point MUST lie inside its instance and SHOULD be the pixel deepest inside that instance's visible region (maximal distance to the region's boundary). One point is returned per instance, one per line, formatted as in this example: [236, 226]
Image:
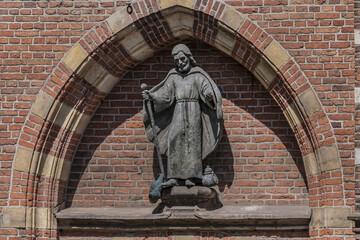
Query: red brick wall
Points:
[34, 36]
[258, 161]
[318, 34]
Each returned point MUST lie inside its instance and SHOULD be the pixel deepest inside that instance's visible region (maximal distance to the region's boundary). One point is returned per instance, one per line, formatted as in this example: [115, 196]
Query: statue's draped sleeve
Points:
[211, 114]
[163, 109]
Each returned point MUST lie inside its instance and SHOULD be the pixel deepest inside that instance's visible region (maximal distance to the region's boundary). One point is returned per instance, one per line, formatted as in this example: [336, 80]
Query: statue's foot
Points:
[170, 183]
[189, 183]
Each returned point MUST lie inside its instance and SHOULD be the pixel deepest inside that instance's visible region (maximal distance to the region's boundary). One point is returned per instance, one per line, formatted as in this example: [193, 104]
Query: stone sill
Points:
[355, 216]
[230, 218]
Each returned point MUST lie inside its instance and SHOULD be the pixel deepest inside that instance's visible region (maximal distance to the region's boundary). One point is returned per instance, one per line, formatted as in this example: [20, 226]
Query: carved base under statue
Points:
[182, 200]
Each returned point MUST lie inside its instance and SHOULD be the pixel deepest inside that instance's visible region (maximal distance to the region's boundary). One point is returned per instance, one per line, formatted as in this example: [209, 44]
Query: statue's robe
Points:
[187, 124]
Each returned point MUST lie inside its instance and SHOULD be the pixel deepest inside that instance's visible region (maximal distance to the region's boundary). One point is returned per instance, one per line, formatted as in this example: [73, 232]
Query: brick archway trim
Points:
[95, 64]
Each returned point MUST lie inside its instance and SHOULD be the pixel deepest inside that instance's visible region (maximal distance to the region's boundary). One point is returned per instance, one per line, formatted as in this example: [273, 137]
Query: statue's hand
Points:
[146, 94]
[208, 96]
[210, 100]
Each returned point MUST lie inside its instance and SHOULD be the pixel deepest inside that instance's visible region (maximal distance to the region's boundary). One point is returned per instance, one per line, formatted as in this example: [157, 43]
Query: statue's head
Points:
[183, 58]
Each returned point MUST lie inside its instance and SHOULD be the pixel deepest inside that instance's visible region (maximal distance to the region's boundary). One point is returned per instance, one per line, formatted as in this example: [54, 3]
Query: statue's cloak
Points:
[211, 116]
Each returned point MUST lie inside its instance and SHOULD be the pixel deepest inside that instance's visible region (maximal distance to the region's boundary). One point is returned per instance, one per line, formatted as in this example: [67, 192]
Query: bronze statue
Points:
[187, 118]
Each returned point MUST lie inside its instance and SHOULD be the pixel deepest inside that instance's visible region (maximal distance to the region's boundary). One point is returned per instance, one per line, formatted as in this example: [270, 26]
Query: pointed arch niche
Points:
[94, 65]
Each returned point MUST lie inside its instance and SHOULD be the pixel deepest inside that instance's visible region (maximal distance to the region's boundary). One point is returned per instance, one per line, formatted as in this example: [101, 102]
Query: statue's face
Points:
[182, 62]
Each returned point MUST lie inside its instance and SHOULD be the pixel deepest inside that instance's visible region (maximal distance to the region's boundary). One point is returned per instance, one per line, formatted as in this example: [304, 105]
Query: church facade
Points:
[75, 160]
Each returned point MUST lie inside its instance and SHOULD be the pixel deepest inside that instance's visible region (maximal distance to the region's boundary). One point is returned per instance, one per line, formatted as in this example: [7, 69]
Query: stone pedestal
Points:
[181, 200]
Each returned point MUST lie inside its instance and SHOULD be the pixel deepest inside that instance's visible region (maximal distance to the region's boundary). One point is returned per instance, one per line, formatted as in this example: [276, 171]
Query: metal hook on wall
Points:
[129, 8]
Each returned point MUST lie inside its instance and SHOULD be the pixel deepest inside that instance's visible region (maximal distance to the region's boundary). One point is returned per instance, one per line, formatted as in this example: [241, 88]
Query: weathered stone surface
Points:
[107, 83]
[13, 217]
[127, 213]
[186, 191]
[42, 105]
[357, 95]
[49, 166]
[232, 218]
[225, 42]
[332, 217]
[63, 170]
[329, 158]
[43, 218]
[23, 158]
[357, 156]
[55, 167]
[136, 46]
[180, 24]
[357, 36]
[21, 217]
[276, 54]
[325, 159]
[97, 76]
[310, 101]
[170, 3]
[58, 113]
[119, 20]
[257, 212]
[311, 165]
[75, 57]
[317, 218]
[264, 73]
[293, 115]
[92, 72]
[182, 195]
[355, 216]
[232, 18]
[62, 114]
[76, 121]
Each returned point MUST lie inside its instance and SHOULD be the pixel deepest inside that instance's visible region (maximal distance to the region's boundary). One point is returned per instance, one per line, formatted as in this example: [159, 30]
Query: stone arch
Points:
[93, 66]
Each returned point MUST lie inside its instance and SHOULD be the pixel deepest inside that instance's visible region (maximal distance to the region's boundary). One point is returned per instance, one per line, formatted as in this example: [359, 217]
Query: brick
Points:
[319, 37]
[131, 132]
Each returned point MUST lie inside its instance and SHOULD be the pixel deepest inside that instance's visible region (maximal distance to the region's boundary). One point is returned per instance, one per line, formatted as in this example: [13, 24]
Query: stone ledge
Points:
[354, 216]
[257, 212]
[183, 218]
[110, 214]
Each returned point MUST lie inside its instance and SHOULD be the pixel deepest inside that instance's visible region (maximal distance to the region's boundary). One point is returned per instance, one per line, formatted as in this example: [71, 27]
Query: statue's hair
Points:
[183, 48]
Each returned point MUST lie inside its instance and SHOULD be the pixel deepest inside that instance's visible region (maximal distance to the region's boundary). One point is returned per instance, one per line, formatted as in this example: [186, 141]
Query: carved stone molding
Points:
[180, 218]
